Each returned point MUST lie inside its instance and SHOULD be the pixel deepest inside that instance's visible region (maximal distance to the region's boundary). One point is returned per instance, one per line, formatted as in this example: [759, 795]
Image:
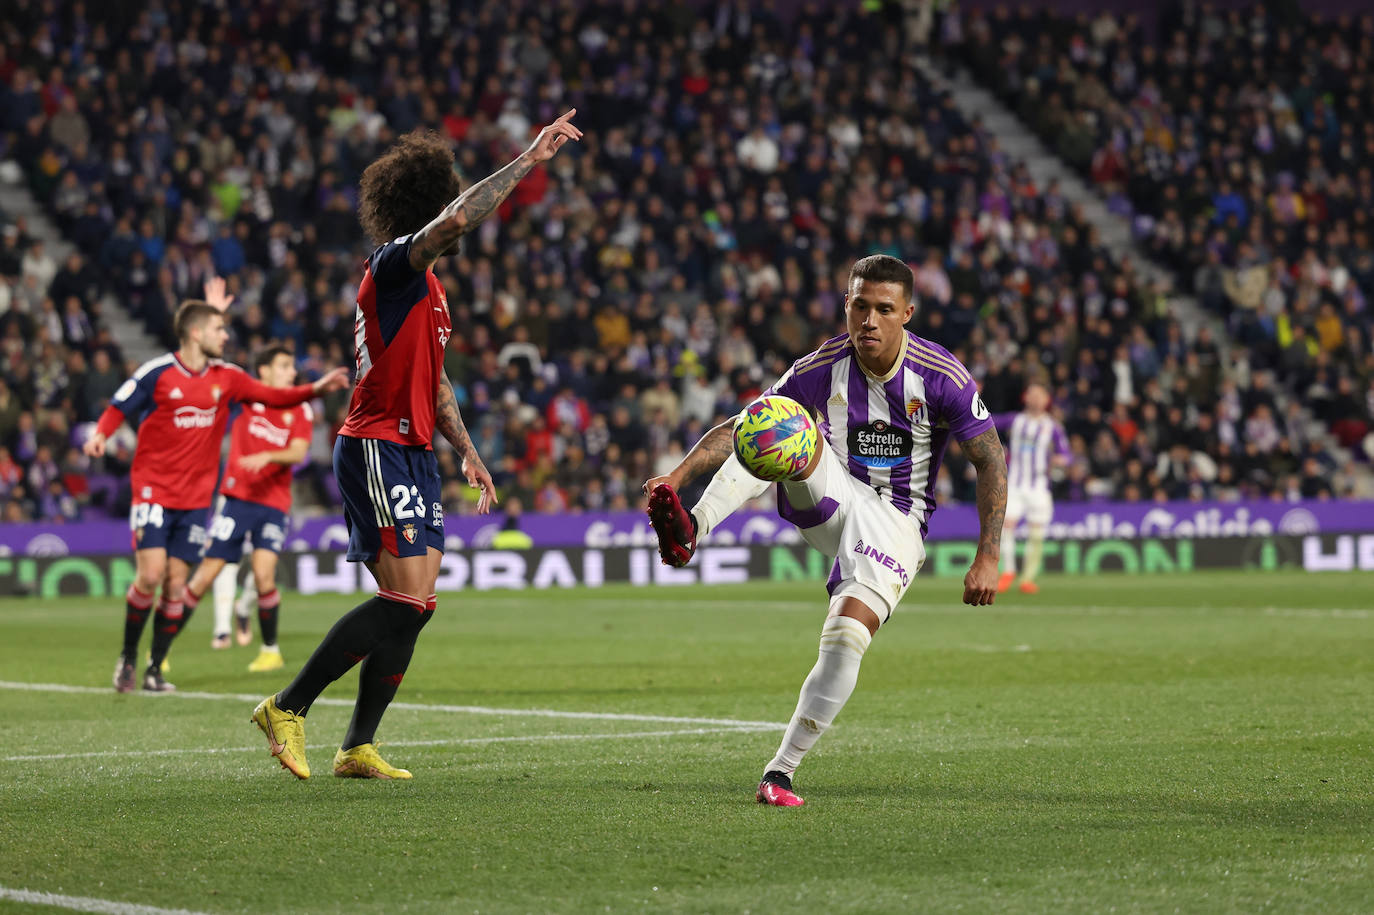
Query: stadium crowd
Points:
[1241, 146]
[657, 276]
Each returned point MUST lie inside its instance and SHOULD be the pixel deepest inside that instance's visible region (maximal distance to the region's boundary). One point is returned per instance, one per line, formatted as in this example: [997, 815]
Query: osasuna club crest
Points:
[408, 532]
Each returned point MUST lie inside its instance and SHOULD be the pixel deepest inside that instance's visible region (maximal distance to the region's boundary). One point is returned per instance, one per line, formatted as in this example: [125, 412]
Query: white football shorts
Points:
[877, 549]
[1035, 505]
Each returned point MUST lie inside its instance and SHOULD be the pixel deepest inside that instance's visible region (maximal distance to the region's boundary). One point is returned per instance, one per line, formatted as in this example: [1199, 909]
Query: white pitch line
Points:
[408, 706]
[87, 903]
[1019, 609]
[440, 742]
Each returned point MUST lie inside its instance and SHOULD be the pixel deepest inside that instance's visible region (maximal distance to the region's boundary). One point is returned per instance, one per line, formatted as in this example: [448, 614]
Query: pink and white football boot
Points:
[776, 791]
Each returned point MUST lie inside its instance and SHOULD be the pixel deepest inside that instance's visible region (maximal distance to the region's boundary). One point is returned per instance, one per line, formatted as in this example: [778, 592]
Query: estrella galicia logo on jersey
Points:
[883, 559]
[880, 444]
[193, 417]
[408, 532]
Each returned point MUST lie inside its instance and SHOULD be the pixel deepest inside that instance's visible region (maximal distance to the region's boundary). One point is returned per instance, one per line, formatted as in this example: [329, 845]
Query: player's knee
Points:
[858, 602]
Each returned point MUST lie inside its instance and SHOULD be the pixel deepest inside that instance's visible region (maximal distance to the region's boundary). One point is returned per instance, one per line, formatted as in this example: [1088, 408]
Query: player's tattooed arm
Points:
[478, 202]
[984, 452]
[450, 424]
[707, 455]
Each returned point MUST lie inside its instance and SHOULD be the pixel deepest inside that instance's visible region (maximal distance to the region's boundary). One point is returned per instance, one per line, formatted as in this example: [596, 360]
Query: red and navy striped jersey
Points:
[400, 332]
[180, 417]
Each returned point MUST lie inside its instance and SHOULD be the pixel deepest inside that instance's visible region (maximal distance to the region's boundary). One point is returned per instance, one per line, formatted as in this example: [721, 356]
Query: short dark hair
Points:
[263, 357]
[883, 268]
[192, 314]
[404, 189]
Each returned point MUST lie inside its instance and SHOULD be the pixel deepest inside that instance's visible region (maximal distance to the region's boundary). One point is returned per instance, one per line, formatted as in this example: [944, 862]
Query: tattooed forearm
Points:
[708, 454]
[466, 212]
[985, 454]
[450, 423]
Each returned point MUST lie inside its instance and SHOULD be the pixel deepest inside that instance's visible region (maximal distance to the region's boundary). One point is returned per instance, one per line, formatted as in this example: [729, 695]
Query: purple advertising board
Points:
[1072, 521]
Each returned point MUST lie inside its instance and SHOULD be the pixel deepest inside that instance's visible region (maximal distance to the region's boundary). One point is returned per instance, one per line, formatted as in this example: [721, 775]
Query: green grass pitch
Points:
[1197, 743]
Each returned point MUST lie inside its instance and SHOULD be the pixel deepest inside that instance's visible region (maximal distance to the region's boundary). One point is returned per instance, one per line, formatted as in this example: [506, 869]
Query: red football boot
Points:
[776, 791]
[674, 525]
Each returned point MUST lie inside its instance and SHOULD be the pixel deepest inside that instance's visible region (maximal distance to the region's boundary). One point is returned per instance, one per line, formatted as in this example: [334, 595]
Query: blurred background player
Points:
[179, 405]
[888, 403]
[384, 456]
[1036, 443]
[255, 500]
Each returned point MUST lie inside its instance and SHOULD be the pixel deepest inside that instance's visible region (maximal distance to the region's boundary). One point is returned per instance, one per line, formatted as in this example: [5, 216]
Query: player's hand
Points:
[478, 478]
[980, 584]
[215, 294]
[95, 445]
[335, 380]
[552, 138]
[668, 478]
[253, 463]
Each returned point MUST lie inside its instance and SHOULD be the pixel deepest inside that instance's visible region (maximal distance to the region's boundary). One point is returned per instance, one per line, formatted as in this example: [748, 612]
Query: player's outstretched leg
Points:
[378, 679]
[674, 525]
[826, 689]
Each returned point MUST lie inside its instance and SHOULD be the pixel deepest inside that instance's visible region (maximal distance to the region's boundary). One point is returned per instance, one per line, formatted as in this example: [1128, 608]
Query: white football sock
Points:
[224, 596]
[729, 489]
[248, 599]
[1009, 547]
[1035, 551]
[827, 688]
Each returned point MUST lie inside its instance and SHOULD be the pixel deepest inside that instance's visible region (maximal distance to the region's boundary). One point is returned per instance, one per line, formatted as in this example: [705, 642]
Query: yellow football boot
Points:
[267, 659]
[285, 735]
[365, 762]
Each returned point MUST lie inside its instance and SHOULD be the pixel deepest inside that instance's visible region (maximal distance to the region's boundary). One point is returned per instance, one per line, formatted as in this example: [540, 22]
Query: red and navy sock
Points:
[380, 677]
[269, 605]
[137, 606]
[166, 625]
[189, 601]
[351, 640]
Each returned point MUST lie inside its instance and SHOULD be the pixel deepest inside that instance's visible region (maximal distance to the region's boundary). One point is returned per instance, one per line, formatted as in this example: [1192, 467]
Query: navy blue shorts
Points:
[181, 532]
[390, 496]
[237, 519]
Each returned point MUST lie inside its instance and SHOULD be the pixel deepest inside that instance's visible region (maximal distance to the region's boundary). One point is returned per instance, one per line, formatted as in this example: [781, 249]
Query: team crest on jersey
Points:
[289, 418]
[258, 408]
[408, 532]
[916, 411]
[214, 392]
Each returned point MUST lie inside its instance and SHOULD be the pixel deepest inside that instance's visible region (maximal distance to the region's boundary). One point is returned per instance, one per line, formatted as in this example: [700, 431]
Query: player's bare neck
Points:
[192, 357]
[882, 369]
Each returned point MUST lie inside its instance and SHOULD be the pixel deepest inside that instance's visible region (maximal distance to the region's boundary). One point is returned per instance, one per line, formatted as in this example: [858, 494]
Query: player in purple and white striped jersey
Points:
[1037, 443]
[887, 403]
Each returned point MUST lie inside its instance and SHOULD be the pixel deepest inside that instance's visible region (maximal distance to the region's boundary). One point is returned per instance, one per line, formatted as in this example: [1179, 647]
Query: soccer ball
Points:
[775, 438]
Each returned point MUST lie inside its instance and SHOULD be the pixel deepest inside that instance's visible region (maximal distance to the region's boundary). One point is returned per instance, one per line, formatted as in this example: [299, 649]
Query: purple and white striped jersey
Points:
[890, 432]
[1033, 440]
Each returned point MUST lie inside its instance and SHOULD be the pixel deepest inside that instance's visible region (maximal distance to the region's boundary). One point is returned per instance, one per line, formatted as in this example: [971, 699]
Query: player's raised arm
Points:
[984, 452]
[477, 202]
[251, 390]
[449, 422]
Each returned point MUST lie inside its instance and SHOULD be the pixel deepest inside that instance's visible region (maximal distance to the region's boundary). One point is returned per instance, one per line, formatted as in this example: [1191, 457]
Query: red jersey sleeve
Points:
[244, 388]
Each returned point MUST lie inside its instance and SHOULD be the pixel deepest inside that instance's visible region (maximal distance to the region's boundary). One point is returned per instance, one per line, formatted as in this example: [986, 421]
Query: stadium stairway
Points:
[15, 199]
[1020, 143]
